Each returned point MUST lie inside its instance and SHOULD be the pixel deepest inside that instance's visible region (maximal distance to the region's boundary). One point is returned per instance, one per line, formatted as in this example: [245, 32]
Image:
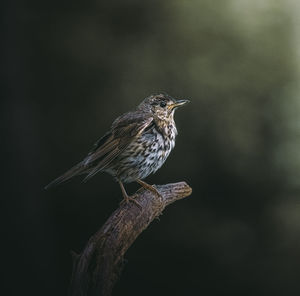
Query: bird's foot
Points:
[127, 199]
[151, 188]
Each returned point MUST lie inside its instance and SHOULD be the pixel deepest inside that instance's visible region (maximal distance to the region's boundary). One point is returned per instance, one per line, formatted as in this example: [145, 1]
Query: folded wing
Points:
[124, 130]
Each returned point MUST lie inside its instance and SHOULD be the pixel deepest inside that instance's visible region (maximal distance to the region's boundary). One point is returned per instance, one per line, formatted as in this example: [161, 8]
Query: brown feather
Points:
[124, 131]
[149, 134]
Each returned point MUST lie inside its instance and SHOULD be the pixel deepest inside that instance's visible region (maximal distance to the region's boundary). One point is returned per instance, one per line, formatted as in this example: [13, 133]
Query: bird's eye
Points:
[163, 104]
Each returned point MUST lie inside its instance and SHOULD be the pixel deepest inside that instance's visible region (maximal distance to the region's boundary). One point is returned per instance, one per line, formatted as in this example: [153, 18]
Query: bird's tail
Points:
[78, 169]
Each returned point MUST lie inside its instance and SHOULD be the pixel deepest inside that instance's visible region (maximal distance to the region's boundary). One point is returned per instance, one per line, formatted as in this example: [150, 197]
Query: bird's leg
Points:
[127, 198]
[149, 187]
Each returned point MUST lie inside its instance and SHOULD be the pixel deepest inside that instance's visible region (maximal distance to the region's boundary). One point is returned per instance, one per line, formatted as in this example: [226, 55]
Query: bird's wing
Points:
[124, 130]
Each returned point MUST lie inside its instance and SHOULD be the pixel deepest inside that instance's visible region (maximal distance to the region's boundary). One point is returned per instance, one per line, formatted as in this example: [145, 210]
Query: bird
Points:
[137, 145]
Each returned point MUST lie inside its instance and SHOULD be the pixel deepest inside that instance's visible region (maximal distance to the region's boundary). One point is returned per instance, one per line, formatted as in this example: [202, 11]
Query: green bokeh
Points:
[74, 67]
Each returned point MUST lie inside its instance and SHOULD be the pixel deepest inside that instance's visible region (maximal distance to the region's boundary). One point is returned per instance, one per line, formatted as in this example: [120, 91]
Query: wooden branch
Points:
[97, 268]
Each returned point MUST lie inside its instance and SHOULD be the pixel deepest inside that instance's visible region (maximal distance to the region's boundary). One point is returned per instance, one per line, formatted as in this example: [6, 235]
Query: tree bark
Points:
[97, 268]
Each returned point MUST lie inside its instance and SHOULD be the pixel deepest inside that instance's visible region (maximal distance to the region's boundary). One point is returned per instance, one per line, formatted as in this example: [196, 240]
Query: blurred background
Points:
[71, 67]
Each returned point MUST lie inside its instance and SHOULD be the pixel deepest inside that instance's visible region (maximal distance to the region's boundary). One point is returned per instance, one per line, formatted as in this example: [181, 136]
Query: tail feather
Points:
[74, 171]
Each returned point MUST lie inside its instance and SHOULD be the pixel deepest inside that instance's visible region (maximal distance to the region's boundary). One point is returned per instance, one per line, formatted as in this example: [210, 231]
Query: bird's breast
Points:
[146, 154]
[162, 144]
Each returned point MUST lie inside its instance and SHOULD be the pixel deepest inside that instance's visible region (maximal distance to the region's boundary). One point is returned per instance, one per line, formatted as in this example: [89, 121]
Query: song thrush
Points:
[137, 144]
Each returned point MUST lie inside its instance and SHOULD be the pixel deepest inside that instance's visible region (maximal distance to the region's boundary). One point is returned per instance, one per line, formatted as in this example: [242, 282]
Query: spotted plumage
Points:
[136, 146]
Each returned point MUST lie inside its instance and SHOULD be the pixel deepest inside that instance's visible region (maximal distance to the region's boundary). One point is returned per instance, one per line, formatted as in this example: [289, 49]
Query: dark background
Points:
[71, 67]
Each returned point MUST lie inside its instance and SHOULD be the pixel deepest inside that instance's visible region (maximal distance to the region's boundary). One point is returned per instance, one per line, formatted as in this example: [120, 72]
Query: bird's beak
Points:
[179, 103]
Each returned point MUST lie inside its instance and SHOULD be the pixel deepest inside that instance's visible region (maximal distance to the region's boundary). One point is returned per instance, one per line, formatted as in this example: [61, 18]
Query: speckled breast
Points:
[145, 155]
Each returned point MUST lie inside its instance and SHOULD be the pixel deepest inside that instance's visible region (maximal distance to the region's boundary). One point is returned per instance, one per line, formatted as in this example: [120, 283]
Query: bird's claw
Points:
[151, 188]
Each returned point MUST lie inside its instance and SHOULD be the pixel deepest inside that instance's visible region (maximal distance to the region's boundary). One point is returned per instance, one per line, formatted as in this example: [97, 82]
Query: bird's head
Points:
[162, 105]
